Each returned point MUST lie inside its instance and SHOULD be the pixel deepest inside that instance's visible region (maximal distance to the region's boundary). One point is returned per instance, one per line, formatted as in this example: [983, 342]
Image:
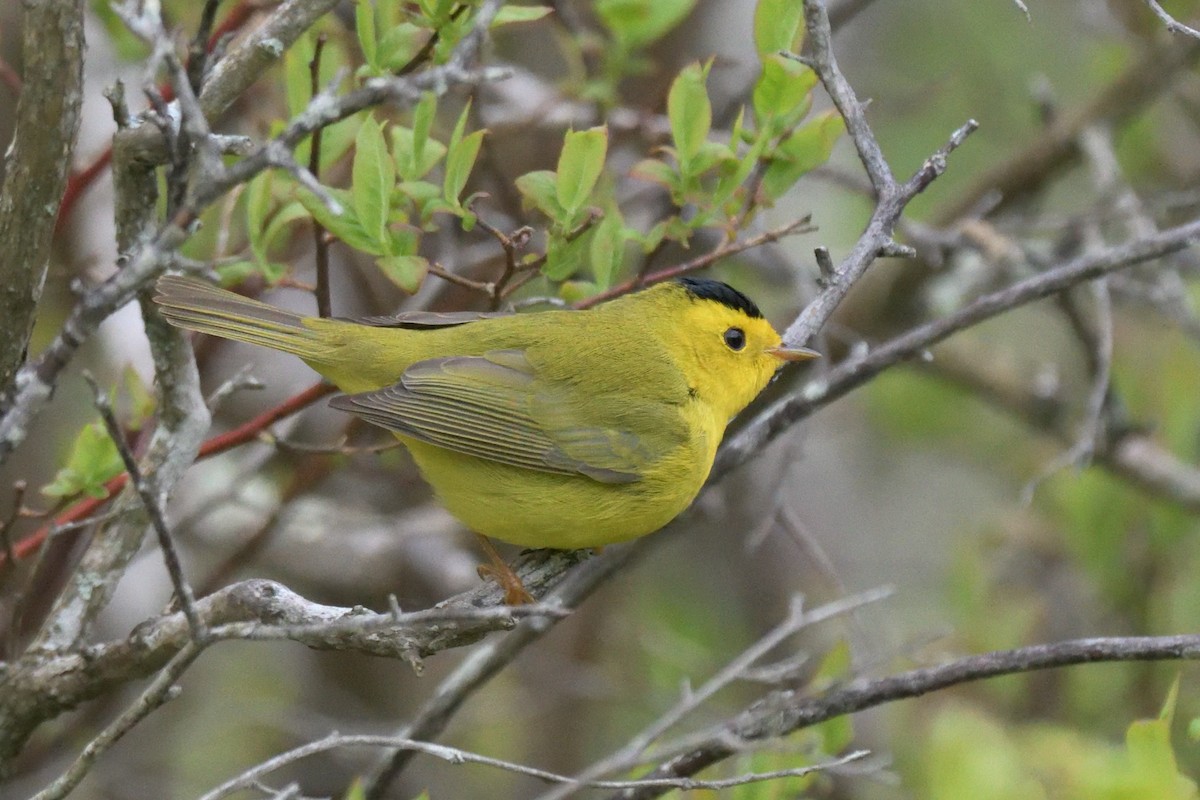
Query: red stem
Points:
[245, 432]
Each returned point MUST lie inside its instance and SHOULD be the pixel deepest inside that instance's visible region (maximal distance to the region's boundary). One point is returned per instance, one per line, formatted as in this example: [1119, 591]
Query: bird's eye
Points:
[735, 338]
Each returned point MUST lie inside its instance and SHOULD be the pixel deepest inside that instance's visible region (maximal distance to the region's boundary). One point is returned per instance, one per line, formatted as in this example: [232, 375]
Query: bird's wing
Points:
[498, 408]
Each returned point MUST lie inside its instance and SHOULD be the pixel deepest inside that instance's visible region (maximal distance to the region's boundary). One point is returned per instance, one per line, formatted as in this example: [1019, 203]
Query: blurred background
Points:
[925, 480]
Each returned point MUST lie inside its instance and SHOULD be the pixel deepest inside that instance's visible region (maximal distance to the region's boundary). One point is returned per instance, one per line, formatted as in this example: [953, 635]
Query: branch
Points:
[1129, 455]
[42, 684]
[891, 197]
[146, 261]
[782, 713]
[251, 777]
[35, 170]
[853, 373]
[248, 431]
[632, 752]
[161, 690]
[1173, 25]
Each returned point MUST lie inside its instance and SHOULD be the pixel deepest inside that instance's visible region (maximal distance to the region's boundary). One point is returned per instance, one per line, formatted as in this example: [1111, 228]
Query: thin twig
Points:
[782, 713]
[632, 752]
[723, 250]
[159, 692]
[320, 240]
[1173, 25]
[454, 755]
[198, 51]
[183, 591]
[18, 499]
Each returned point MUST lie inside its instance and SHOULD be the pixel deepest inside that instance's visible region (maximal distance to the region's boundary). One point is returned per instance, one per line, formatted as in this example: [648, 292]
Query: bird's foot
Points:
[515, 593]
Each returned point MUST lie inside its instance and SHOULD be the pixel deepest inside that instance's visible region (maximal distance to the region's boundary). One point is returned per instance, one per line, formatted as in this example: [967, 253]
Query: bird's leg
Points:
[515, 593]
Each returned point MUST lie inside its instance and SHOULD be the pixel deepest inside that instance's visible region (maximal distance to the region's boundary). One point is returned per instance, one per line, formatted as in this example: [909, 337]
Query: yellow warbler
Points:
[560, 429]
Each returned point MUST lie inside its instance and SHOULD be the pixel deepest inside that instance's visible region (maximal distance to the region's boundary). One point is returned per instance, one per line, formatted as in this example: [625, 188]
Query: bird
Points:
[549, 429]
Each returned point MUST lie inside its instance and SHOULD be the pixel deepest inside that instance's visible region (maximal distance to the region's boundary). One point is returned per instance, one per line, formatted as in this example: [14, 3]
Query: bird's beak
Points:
[793, 353]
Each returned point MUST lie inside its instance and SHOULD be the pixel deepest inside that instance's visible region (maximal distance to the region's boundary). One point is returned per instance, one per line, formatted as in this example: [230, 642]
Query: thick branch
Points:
[786, 711]
[41, 684]
[36, 168]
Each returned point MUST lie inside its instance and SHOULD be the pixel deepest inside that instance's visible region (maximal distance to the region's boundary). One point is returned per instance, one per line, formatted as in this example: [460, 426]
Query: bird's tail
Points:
[200, 306]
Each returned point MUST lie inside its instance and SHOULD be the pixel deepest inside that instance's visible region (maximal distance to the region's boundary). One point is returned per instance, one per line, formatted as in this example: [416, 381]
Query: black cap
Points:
[723, 293]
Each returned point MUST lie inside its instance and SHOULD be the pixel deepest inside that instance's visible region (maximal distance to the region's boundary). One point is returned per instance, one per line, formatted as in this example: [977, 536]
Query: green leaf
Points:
[607, 252]
[400, 45]
[579, 167]
[357, 792]
[574, 291]
[364, 23]
[424, 114]
[835, 665]
[777, 26]
[510, 14]
[336, 140]
[565, 258]
[411, 163]
[235, 273]
[93, 460]
[140, 400]
[690, 112]
[407, 272]
[639, 22]
[540, 190]
[297, 76]
[285, 216]
[344, 226]
[258, 207]
[374, 175]
[734, 174]
[655, 171]
[783, 92]
[460, 158]
[806, 148]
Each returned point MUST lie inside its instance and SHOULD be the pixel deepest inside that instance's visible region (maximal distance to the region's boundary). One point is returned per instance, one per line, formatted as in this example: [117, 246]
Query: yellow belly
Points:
[545, 509]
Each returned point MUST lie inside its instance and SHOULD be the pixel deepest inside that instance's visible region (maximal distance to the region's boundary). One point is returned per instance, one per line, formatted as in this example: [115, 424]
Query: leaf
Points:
[835, 665]
[539, 188]
[337, 139]
[639, 22]
[574, 291]
[399, 45]
[565, 258]
[510, 14]
[258, 206]
[374, 175]
[423, 115]
[690, 112]
[460, 158]
[291, 212]
[411, 164]
[407, 272]
[93, 460]
[808, 147]
[344, 226]
[607, 252]
[364, 24]
[297, 76]
[783, 92]
[777, 26]
[140, 400]
[579, 167]
[655, 171]
[235, 273]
